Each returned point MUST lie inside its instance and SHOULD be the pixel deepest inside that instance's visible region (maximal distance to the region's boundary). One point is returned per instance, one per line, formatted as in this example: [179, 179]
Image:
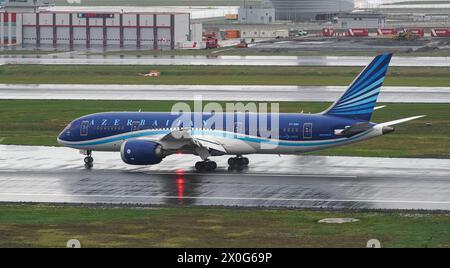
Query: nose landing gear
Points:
[88, 160]
[238, 162]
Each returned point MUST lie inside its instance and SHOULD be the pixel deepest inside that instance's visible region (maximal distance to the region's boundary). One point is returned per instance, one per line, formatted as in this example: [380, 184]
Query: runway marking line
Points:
[249, 174]
[232, 198]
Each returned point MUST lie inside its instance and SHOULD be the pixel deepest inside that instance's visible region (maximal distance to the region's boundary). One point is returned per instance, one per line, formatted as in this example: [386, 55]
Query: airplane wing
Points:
[210, 144]
[181, 135]
[181, 138]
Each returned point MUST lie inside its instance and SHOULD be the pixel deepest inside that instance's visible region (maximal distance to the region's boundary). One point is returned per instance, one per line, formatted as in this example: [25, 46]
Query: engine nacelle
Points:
[141, 152]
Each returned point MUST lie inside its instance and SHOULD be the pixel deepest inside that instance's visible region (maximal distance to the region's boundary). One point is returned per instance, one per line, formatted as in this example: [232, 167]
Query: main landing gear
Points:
[206, 165]
[238, 162]
[88, 160]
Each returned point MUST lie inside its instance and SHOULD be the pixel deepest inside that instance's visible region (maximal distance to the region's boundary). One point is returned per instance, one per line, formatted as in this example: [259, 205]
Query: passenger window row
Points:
[291, 130]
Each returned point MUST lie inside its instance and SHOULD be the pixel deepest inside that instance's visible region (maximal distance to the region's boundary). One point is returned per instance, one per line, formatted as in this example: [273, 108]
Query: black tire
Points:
[212, 165]
[246, 161]
[240, 162]
[232, 162]
[208, 166]
[199, 166]
[88, 160]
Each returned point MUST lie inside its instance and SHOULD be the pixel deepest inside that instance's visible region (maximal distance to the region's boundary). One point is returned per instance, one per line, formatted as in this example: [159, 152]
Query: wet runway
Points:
[51, 174]
[222, 60]
[219, 93]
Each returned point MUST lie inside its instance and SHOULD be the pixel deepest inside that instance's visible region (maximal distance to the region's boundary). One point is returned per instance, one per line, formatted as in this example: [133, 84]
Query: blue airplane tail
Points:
[359, 100]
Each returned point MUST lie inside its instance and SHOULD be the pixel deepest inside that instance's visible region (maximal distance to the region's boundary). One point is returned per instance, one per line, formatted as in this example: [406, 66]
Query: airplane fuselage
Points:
[295, 133]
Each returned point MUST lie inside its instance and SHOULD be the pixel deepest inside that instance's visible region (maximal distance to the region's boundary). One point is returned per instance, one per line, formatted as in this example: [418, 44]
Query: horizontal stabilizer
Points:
[379, 107]
[399, 121]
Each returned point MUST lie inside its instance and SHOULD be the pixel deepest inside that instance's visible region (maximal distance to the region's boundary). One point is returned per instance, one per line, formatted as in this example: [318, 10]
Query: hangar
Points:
[146, 27]
[85, 27]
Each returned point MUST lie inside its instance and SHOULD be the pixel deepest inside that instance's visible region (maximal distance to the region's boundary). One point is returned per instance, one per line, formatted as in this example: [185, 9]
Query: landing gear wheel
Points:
[199, 166]
[211, 165]
[205, 166]
[88, 160]
[238, 162]
[232, 161]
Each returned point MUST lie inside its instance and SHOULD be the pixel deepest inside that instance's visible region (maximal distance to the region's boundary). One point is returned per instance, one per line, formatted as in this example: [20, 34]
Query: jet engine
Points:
[141, 152]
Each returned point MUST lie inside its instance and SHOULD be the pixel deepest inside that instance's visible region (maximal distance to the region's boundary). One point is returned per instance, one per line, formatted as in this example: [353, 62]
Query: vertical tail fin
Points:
[359, 100]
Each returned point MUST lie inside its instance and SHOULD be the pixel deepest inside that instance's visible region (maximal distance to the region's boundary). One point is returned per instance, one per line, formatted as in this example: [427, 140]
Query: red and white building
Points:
[9, 32]
[147, 27]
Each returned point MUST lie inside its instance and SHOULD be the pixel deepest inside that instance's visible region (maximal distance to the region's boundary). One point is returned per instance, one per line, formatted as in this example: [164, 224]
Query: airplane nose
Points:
[63, 136]
[60, 138]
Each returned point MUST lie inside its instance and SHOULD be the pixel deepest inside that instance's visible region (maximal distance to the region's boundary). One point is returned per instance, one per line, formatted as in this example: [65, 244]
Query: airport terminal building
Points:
[307, 10]
[29, 24]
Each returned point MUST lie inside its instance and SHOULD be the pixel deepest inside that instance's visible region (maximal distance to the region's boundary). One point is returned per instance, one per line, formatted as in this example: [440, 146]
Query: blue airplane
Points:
[146, 138]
